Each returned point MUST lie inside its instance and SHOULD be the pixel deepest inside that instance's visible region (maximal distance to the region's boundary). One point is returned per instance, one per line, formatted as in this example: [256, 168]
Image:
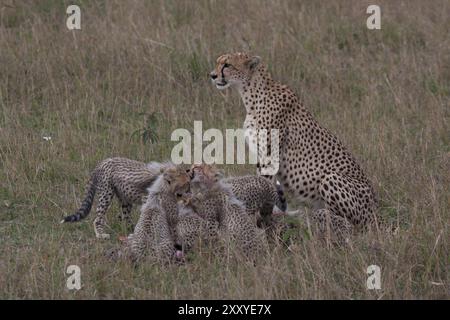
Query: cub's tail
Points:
[86, 205]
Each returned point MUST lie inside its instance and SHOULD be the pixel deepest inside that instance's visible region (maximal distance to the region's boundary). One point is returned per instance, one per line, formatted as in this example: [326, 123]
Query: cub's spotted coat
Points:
[125, 178]
[258, 194]
[212, 200]
[193, 230]
[155, 233]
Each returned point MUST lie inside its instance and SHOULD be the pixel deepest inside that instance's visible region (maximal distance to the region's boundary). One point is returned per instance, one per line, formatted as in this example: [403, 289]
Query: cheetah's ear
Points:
[253, 62]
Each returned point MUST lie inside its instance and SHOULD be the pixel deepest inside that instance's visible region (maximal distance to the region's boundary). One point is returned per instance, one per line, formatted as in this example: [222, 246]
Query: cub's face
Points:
[178, 180]
[234, 69]
[203, 178]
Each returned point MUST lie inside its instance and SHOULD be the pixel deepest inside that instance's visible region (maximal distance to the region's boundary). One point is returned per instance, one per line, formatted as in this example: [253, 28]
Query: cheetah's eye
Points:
[226, 65]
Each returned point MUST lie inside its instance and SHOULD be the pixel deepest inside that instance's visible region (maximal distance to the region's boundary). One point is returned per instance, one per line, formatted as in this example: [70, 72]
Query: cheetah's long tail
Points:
[86, 205]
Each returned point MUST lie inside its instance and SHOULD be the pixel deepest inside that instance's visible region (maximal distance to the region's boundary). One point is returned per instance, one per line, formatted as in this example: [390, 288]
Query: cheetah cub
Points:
[192, 230]
[155, 232]
[259, 196]
[125, 178]
[213, 200]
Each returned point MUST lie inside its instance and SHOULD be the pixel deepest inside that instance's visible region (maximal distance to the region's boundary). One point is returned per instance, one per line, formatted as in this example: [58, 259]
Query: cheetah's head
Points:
[234, 69]
[178, 179]
[205, 175]
[205, 178]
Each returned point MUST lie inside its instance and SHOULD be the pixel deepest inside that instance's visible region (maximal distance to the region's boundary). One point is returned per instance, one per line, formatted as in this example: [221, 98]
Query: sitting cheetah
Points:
[125, 178]
[259, 195]
[314, 165]
[155, 231]
[212, 199]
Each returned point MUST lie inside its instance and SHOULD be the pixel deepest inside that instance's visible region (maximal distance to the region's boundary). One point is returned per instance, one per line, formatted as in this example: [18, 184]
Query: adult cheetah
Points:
[314, 165]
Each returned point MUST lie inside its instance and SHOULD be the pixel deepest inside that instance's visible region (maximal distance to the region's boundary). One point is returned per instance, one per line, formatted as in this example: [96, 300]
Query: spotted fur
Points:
[314, 164]
[258, 194]
[213, 200]
[192, 230]
[127, 179]
[155, 233]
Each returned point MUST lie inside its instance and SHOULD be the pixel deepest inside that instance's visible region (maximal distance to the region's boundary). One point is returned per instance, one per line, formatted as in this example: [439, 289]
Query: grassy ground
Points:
[385, 93]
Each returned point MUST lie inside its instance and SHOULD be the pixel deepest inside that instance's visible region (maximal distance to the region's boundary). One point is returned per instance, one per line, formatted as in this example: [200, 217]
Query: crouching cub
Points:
[259, 196]
[155, 232]
[211, 199]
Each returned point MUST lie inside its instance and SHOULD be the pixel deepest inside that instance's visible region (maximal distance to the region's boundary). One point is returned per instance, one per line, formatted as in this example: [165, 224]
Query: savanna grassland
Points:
[137, 70]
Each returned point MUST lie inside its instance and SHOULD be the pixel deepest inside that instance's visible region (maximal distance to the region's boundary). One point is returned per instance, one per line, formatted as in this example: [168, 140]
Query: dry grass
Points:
[385, 93]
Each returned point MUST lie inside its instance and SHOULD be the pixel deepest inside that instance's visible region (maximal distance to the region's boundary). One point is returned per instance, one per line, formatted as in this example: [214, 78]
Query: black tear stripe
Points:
[221, 72]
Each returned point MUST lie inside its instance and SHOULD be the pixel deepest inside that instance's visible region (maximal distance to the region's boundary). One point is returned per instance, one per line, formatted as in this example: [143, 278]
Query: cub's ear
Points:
[253, 62]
